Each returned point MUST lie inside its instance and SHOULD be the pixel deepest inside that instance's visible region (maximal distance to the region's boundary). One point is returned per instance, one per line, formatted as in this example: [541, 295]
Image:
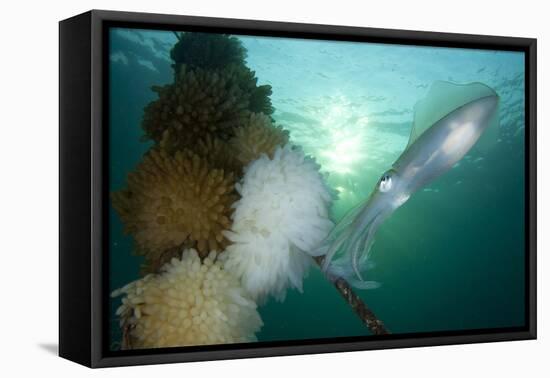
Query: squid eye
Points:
[385, 183]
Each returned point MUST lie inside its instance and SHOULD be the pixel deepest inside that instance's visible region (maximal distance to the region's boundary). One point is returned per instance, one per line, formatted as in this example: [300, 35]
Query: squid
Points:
[448, 122]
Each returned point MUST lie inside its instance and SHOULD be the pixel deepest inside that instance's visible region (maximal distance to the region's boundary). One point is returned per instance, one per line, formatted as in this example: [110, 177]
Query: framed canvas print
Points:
[234, 188]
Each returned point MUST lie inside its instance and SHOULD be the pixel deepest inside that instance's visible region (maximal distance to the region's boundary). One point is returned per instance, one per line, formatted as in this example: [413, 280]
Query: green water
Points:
[451, 258]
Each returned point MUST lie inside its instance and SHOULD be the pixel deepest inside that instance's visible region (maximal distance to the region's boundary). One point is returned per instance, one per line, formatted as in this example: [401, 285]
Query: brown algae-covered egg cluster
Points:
[207, 50]
[188, 303]
[174, 201]
[199, 102]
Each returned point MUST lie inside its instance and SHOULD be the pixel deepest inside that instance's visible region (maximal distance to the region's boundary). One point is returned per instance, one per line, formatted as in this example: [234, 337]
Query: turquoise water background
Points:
[451, 258]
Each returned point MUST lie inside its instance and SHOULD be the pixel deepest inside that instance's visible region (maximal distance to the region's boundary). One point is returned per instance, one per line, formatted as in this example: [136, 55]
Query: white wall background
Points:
[29, 189]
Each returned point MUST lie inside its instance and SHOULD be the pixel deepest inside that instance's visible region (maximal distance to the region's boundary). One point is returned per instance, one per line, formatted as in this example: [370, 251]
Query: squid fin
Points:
[442, 98]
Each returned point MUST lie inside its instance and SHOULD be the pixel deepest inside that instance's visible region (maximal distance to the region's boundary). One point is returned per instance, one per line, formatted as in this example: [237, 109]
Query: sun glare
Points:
[346, 135]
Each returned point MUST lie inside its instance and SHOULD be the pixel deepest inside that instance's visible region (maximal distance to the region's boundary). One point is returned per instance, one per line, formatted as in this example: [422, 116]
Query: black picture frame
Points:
[83, 196]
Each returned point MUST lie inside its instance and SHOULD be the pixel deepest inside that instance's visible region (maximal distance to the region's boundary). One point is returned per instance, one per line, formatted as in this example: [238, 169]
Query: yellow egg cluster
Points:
[257, 136]
[218, 153]
[189, 303]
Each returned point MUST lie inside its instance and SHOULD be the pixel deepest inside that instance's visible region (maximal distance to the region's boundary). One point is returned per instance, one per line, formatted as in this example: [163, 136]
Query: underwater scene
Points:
[280, 189]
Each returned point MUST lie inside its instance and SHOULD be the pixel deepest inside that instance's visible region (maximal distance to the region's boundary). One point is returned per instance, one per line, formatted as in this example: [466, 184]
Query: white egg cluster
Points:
[283, 214]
